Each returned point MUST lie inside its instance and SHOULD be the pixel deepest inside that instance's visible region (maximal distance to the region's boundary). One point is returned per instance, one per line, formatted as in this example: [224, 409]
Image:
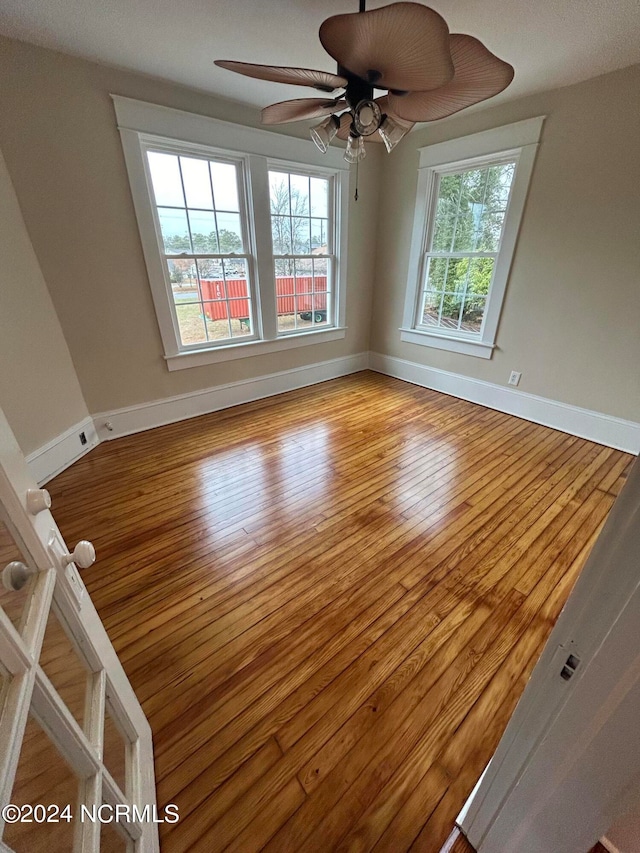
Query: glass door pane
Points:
[115, 750]
[14, 603]
[44, 786]
[63, 666]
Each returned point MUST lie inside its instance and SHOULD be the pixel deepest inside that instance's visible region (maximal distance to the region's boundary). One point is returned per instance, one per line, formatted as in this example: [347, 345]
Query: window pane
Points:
[281, 235]
[184, 280]
[499, 179]
[165, 177]
[197, 186]
[203, 231]
[225, 186]
[300, 195]
[229, 232]
[285, 289]
[431, 308]
[319, 197]
[212, 286]
[436, 273]
[235, 272]
[175, 230]
[446, 210]
[319, 234]
[471, 319]
[469, 211]
[210, 268]
[301, 235]
[279, 193]
[191, 324]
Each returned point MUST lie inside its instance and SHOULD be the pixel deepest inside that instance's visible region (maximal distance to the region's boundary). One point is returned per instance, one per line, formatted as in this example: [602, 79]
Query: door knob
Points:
[83, 555]
[38, 500]
[15, 575]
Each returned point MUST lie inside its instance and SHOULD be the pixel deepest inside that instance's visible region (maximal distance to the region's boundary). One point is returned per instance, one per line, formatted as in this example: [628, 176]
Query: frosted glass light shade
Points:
[323, 133]
[392, 132]
[355, 150]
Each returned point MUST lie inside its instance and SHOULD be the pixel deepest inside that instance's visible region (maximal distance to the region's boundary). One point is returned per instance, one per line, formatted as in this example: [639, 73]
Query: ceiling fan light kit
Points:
[355, 149]
[323, 133]
[403, 48]
[392, 132]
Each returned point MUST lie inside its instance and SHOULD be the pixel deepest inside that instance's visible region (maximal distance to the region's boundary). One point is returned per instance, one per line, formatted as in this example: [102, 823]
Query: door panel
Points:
[72, 733]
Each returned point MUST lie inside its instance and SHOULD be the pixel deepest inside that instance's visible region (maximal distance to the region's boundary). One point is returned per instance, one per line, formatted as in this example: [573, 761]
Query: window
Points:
[302, 236]
[244, 248]
[467, 217]
[204, 246]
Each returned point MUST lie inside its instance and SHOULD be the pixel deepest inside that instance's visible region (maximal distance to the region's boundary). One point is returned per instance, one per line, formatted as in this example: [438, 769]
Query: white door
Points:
[76, 753]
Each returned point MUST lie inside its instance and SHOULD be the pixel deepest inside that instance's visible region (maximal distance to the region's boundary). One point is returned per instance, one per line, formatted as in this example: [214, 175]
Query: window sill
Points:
[230, 352]
[480, 349]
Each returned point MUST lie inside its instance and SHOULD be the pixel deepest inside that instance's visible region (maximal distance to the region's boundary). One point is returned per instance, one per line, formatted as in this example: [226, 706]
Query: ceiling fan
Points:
[404, 48]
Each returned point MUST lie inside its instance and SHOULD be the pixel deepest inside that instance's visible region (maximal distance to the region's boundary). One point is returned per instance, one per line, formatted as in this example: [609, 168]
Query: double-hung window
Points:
[243, 232]
[303, 236]
[203, 240]
[468, 213]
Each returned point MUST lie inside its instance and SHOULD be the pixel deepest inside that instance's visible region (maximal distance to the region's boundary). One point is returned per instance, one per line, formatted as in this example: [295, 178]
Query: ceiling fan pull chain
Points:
[355, 196]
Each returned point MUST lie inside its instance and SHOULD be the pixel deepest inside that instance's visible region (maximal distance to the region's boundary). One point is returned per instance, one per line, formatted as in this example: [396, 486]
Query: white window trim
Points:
[519, 142]
[139, 124]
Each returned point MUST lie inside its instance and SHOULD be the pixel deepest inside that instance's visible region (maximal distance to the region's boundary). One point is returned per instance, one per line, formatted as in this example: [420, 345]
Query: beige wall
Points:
[58, 133]
[571, 318]
[39, 390]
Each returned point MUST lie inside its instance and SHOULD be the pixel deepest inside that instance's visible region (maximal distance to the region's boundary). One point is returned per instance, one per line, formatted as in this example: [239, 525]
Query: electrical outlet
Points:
[83, 438]
[514, 377]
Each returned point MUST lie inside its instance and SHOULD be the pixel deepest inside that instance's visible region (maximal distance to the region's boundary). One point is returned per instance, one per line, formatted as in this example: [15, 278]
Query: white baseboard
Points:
[608, 845]
[595, 426]
[65, 449]
[132, 419]
[56, 455]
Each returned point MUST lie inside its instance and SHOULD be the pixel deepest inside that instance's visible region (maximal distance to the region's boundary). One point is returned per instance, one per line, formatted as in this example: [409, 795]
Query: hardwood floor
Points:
[329, 602]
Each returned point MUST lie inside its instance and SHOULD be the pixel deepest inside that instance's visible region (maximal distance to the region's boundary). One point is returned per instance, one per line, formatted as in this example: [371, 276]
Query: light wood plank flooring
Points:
[329, 602]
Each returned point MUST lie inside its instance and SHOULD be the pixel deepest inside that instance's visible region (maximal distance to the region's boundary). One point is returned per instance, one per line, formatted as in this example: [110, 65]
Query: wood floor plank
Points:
[329, 602]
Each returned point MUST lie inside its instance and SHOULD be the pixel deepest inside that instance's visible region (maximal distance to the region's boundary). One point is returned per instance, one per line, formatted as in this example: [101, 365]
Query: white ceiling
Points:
[550, 43]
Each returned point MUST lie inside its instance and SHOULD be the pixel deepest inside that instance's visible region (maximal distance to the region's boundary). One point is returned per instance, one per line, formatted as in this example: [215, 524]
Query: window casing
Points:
[206, 222]
[468, 213]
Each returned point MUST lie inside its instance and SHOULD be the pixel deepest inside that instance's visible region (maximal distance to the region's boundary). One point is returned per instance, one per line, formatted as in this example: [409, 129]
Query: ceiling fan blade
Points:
[300, 109]
[277, 74]
[402, 46]
[478, 75]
